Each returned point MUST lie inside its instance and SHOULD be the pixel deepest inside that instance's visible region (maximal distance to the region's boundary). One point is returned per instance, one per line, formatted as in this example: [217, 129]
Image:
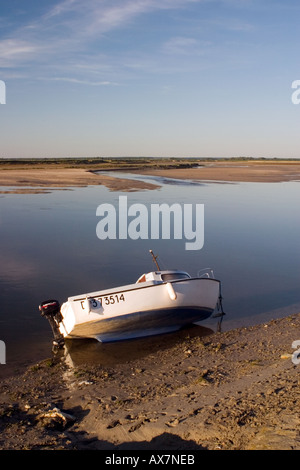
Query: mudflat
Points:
[42, 180]
[256, 172]
[236, 390]
[42, 177]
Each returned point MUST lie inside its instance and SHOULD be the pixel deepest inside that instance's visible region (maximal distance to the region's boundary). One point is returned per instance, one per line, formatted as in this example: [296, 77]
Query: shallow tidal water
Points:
[49, 249]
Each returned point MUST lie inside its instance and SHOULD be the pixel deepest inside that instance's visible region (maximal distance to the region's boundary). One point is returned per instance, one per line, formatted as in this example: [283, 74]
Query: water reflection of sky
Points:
[49, 249]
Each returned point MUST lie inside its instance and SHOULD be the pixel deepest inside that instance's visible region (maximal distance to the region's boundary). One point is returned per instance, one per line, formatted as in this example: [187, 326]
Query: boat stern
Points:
[50, 309]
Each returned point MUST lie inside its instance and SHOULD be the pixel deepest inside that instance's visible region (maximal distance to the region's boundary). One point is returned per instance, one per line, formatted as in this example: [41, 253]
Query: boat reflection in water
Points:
[87, 352]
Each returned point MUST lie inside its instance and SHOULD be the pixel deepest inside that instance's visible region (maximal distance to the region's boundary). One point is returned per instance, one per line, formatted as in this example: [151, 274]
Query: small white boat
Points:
[159, 302]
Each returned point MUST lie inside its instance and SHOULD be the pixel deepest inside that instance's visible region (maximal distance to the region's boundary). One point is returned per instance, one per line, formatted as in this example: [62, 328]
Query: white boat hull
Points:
[139, 309]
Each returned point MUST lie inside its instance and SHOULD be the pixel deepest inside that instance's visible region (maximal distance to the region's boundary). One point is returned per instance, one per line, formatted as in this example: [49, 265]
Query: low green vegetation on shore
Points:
[128, 162]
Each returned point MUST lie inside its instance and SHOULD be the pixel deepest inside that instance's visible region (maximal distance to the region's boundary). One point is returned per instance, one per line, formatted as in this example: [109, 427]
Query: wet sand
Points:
[44, 178]
[256, 172]
[237, 390]
[35, 181]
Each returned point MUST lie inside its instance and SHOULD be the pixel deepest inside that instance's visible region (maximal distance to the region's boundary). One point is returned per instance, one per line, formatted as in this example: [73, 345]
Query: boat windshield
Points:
[174, 276]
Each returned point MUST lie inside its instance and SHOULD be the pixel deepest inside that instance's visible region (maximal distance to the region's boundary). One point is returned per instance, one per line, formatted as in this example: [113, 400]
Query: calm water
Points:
[49, 249]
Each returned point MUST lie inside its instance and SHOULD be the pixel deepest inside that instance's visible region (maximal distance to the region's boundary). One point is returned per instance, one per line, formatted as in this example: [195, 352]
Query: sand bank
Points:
[42, 180]
[256, 172]
[234, 390]
[45, 178]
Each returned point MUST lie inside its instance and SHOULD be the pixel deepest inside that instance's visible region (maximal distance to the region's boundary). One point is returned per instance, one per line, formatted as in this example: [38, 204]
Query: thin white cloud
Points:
[96, 17]
[66, 42]
[16, 51]
[62, 37]
[69, 26]
[80, 82]
[60, 8]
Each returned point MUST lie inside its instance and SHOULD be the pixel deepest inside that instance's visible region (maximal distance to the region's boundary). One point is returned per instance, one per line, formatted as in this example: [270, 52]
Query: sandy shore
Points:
[233, 390]
[44, 178]
[36, 181]
[256, 172]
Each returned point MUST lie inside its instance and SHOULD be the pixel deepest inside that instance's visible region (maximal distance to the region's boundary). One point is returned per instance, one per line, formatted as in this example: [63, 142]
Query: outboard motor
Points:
[51, 310]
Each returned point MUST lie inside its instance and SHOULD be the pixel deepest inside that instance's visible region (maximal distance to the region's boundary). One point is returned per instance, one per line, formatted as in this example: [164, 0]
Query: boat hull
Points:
[135, 311]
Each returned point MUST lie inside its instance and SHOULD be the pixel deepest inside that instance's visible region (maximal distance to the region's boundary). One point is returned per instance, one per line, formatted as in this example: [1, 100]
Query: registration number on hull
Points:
[105, 300]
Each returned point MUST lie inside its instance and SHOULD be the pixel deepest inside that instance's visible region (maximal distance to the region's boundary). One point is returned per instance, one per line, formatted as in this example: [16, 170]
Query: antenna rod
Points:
[154, 259]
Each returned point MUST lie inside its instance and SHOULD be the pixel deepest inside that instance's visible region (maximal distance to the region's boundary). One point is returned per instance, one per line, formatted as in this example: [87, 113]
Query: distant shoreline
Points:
[43, 175]
[104, 162]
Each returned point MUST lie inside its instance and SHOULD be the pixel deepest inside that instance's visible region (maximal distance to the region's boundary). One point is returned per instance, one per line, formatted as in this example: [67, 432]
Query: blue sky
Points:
[179, 78]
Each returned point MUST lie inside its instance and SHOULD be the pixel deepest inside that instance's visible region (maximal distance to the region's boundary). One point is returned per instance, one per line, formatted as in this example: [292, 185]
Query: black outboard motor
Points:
[51, 310]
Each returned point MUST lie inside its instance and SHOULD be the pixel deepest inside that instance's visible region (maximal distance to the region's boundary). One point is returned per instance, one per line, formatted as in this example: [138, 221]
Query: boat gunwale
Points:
[128, 288]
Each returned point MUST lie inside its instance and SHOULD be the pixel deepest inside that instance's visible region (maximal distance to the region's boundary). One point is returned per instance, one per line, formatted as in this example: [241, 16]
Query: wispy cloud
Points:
[96, 17]
[71, 41]
[81, 82]
[16, 51]
[67, 31]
